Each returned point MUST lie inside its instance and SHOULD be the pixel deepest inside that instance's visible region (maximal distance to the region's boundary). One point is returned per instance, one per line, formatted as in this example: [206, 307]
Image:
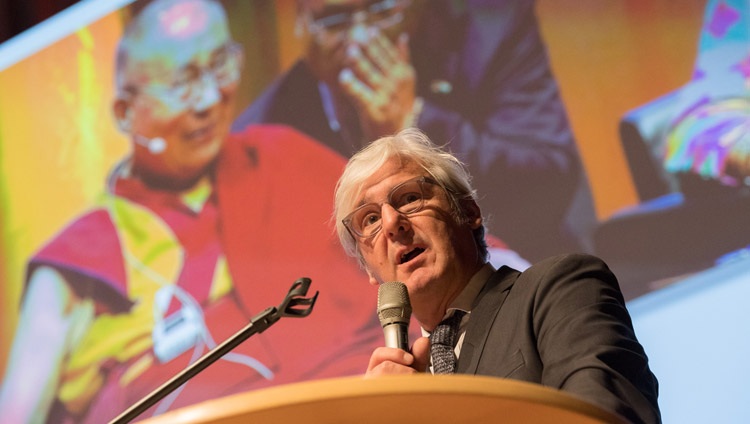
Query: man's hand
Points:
[389, 361]
[380, 80]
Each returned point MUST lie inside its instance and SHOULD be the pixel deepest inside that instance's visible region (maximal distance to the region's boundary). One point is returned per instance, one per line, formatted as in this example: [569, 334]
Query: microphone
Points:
[154, 145]
[394, 312]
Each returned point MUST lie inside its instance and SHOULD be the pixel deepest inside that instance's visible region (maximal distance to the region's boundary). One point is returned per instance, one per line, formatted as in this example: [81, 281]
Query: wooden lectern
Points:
[412, 399]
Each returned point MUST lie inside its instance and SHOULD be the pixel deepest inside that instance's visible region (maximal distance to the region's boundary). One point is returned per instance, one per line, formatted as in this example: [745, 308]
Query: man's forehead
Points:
[183, 20]
[394, 171]
[178, 31]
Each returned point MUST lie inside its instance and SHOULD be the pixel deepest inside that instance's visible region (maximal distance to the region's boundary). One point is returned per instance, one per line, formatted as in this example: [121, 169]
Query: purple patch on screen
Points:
[743, 67]
[723, 18]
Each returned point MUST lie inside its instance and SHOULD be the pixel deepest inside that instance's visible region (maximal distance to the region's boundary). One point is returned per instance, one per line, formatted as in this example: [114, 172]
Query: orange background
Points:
[610, 56]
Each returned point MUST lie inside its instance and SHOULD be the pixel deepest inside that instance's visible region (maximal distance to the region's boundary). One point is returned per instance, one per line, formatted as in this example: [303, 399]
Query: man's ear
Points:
[472, 212]
[123, 115]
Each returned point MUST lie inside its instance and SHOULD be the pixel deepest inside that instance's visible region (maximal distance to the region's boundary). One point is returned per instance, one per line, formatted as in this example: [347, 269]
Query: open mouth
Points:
[411, 255]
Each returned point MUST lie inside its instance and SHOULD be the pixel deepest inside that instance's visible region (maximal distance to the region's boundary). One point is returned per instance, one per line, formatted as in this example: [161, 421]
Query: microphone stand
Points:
[294, 305]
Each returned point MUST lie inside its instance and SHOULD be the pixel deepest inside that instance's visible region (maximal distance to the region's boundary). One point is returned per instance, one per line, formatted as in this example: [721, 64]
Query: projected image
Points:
[196, 232]
[168, 169]
[689, 152]
[474, 77]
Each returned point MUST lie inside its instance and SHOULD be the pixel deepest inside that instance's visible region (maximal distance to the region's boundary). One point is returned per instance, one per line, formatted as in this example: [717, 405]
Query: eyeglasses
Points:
[406, 198]
[382, 14]
[187, 89]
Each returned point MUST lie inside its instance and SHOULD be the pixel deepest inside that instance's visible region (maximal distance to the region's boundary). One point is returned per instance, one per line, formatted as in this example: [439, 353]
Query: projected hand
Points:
[380, 80]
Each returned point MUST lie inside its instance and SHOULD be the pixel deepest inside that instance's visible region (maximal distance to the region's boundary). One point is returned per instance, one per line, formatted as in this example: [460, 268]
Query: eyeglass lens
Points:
[223, 70]
[194, 86]
[406, 198]
[383, 14]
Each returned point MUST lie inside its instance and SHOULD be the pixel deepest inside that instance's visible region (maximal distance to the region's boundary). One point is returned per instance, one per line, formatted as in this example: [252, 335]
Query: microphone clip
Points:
[295, 304]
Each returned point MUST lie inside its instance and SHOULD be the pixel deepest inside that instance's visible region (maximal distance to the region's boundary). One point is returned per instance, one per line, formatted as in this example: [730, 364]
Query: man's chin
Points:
[184, 175]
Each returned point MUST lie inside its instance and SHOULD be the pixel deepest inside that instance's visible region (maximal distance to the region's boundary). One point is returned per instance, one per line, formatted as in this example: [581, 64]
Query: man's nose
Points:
[208, 94]
[393, 221]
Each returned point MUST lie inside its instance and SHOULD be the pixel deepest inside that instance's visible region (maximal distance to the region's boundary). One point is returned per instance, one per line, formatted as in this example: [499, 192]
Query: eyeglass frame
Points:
[347, 220]
[349, 18]
[165, 91]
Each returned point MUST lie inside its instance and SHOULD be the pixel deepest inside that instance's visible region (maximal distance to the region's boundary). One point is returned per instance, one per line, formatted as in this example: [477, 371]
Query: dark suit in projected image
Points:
[407, 210]
[198, 231]
[474, 74]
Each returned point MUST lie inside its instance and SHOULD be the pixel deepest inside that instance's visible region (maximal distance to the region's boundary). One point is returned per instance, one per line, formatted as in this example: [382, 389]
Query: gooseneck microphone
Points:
[394, 312]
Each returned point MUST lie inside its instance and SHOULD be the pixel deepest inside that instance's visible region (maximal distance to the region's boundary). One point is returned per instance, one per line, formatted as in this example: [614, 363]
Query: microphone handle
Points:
[397, 335]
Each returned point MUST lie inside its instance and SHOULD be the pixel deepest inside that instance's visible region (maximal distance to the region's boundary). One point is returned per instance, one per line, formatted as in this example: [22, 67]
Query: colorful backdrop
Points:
[58, 139]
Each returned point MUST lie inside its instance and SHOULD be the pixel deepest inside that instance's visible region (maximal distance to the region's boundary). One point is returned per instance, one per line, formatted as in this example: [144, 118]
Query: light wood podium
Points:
[412, 399]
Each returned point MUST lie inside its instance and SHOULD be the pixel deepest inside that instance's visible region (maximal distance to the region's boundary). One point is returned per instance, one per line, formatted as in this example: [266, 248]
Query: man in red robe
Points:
[198, 231]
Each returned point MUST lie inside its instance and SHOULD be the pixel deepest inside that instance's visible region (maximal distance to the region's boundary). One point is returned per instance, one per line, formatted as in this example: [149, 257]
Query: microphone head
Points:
[393, 303]
[157, 145]
[154, 145]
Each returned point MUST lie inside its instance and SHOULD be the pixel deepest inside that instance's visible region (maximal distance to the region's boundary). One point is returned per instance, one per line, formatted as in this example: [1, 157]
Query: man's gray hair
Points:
[409, 145]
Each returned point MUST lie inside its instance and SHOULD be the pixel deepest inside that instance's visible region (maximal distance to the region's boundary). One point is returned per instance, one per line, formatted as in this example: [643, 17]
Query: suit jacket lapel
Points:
[483, 315]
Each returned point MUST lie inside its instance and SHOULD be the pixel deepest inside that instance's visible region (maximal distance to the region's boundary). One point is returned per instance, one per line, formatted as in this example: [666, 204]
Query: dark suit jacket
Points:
[562, 323]
[484, 75]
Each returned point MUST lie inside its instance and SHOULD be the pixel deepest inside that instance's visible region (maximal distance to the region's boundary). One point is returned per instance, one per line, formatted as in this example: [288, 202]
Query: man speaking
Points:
[406, 210]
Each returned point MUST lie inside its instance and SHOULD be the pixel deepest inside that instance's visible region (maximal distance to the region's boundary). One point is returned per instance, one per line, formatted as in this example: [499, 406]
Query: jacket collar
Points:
[483, 315]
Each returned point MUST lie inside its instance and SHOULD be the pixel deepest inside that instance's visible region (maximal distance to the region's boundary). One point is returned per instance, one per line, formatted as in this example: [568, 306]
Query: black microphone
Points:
[394, 312]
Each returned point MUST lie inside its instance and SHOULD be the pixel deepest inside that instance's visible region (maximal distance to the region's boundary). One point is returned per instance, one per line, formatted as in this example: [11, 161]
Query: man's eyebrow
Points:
[361, 202]
[364, 199]
[368, 199]
[223, 48]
